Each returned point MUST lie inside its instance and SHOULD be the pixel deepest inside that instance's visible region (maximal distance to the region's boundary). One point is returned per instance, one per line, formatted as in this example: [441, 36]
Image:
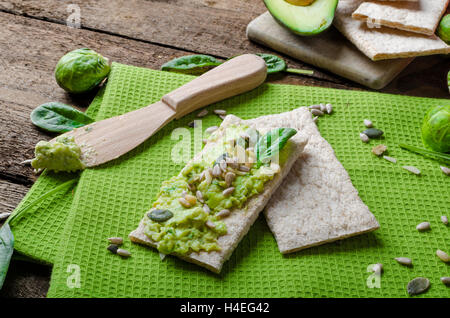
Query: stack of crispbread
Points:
[392, 29]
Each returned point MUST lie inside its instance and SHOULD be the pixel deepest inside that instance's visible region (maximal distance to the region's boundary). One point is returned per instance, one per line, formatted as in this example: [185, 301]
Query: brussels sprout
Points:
[436, 129]
[81, 70]
[444, 29]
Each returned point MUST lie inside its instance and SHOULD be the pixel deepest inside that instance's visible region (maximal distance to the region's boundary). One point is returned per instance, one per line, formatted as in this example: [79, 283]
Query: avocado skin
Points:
[271, 5]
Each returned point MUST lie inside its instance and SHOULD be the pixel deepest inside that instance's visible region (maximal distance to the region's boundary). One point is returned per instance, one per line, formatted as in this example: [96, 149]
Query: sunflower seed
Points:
[444, 219]
[244, 168]
[210, 224]
[229, 178]
[223, 165]
[162, 256]
[223, 213]
[368, 123]
[184, 202]
[4, 216]
[316, 112]
[199, 195]
[412, 169]
[208, 176]
[404, 261]
[220, 111]
[418, 285]
[314, 107]
[373, 132]
[206, 209]
[445, 170]
[445, 281]
[364, 137]
[329, 108]
[424, 226]
[323, 108]
[391, 159]
[191, 187]
[192, 124]
[222, 117]
[315, 119]
[443, 256]
[123, 253]
[203, 113]
[116, 240]
[113, 248]
[228, 191]
[26, 162]
[211, 129]
[216, 171]
[379, 150]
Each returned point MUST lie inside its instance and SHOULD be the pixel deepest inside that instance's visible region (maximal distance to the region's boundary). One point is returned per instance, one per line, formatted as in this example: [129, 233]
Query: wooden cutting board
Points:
[329, 50]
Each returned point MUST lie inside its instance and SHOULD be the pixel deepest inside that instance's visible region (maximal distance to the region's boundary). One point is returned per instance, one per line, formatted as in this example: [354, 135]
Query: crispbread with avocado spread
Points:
[316, 202]
[204, 228]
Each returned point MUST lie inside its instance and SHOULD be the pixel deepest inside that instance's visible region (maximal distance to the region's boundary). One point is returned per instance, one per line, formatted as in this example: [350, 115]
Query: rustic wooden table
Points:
[34, 35]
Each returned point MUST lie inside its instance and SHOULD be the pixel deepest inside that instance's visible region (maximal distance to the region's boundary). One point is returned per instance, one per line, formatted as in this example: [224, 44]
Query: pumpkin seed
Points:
[228, 191]
[368, 123]
[404, 261]
[379, 150]
[116, 240]
[123, 253]
[220, 111]
[418, 285]
[373, 132]
[223, 213]
[445, 170]
[443, 256]
[445, 281]
[113, 248]
[210, 224]
[203, 113]
[316, 112]
[160, 215]
[364, 137]
[206, 209]
[424, 226]
[329, 108]
[444, 219]
[391, 159]
[412, 169]
[211, 129]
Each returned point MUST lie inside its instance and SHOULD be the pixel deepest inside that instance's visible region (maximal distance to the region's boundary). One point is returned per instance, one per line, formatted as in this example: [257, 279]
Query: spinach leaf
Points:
[274, 63]
[58, 117]
[271, 144]
[6, 250]
[191, 64]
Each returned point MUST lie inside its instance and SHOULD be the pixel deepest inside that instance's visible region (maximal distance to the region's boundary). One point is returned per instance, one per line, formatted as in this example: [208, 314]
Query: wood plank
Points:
[11, 194]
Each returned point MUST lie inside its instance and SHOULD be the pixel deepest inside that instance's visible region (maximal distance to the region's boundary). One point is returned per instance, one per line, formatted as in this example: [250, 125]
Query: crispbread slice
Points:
[240, 220]
[316, 203]
[380, 43]
[420, 17]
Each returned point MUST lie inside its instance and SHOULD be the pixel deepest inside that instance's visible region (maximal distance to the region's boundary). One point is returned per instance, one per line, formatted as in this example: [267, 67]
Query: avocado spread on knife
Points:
[63, 154]
[189, 210]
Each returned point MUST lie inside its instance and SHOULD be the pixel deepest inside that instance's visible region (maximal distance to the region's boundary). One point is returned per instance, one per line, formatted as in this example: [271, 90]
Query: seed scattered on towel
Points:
[203, 113]
[444, 219]
[445, 281]
[314, 107]
[116, 240]
[404, 261]
[391, 159]
[364, 137]
[329, 108]
[323, 108]
[220, 112]
[445, 170]
[379, 150]
[317, 112]
[424, 226]
[412, 169]
[113, 248]
[123, 253]
[443, 256]
[418, 285]
[211, 129]
[368, 123]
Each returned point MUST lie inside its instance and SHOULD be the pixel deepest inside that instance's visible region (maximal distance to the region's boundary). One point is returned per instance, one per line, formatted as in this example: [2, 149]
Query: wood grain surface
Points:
[146, 33]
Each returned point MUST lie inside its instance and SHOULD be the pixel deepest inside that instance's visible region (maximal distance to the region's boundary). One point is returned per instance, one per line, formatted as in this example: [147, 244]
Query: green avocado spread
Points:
[206, 191]
[63, 154]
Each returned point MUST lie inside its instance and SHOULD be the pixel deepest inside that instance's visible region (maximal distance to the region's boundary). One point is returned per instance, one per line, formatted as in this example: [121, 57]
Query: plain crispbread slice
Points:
[316, 203]
[240, 220]
[420, 17]
[380, 43]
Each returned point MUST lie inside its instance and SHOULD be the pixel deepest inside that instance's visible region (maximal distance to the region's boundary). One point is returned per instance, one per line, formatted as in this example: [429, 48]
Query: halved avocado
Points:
[303, 17]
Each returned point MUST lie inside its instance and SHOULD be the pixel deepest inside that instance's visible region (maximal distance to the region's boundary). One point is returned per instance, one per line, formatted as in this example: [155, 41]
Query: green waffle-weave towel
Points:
[111, 199]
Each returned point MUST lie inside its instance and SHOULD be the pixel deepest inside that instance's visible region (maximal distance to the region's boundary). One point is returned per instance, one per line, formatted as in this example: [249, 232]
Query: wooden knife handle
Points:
[236, 76]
